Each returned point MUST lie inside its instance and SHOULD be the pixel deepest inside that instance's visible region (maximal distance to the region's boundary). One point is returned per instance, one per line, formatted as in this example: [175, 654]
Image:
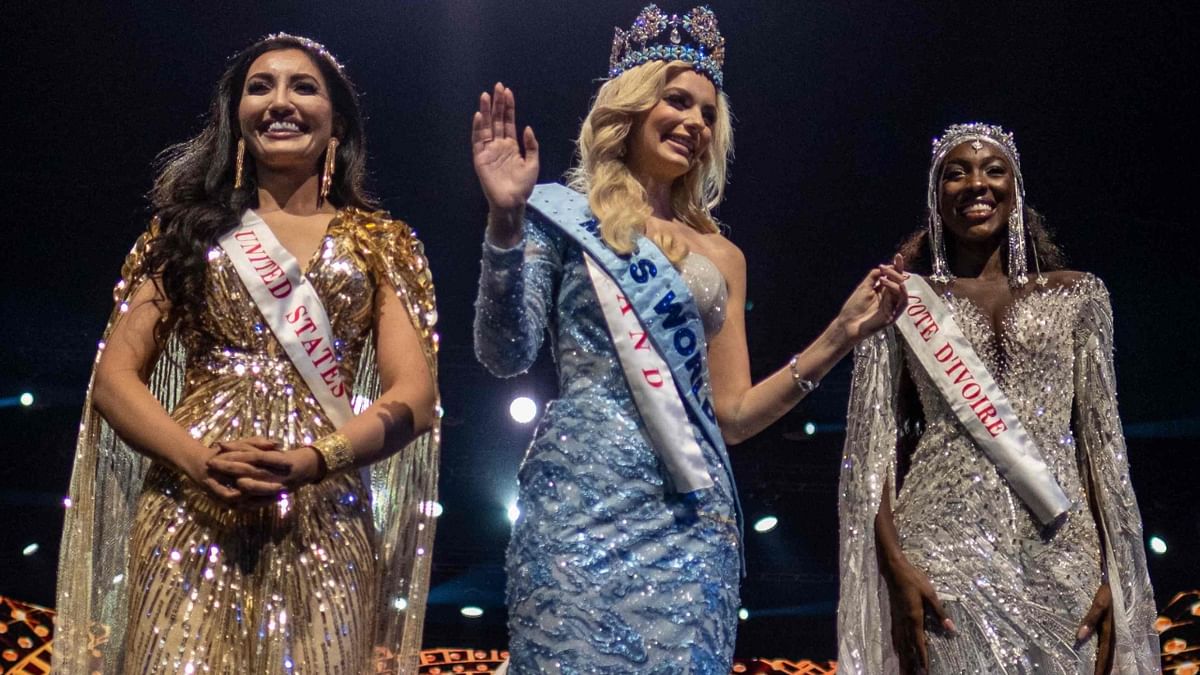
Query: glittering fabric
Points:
[1016, 593]
[608, 571]
[311, 584]
[709, 290]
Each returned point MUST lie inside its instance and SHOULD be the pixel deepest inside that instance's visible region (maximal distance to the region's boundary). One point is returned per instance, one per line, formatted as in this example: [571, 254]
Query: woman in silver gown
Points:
[944, 569]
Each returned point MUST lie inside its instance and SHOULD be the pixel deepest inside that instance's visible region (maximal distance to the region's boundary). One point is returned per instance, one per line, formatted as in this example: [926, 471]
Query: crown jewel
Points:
[654, 36]
[958, 134]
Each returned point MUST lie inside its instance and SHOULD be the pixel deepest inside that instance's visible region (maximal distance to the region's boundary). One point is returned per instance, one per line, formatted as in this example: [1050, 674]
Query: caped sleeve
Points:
[1103, 453]
[404, 485]
[102, 499]
[864, 634]
[516, 294]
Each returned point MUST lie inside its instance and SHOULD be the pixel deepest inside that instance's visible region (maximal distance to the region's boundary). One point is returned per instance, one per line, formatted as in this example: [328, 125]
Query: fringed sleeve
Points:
[1103, 454]
[404, 486]
[864, 635]
[516, 296]
[92, 595]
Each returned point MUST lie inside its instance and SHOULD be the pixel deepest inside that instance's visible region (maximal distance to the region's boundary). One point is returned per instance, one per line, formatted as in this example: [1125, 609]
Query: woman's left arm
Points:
[744, 408]
[1123, 612]
[406, 407]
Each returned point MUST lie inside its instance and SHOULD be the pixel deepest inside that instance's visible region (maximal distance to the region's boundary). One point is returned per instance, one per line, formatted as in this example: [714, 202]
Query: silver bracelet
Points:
[806, 387]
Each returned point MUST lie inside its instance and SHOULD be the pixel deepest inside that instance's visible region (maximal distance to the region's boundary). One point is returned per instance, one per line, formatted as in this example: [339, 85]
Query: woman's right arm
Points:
[519, 262]
[516, 296]
[121, 395]
[910, 593]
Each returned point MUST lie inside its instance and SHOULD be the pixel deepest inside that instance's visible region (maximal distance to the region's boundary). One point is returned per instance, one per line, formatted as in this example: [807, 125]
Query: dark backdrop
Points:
[836, 103]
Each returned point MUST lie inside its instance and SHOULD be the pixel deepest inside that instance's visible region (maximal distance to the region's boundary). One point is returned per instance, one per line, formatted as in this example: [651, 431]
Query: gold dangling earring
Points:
[239, 163]
[327, 176]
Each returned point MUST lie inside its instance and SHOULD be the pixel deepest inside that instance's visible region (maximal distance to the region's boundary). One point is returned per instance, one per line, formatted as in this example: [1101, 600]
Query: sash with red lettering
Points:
[653, 387]
[978, 402]
[292, 310]
[658, 335]
[659, 338]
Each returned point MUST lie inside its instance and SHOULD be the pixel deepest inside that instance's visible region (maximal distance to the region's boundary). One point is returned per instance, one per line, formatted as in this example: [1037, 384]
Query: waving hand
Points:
[507, 177]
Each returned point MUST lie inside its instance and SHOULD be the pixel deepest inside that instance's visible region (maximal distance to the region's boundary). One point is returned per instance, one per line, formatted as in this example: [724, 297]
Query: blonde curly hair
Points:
[615, 196]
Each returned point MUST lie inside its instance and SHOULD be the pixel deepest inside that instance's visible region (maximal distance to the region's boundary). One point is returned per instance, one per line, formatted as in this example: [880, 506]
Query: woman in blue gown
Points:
[611, 569]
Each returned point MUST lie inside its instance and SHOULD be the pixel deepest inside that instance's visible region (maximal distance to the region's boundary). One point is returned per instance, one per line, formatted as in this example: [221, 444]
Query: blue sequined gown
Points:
[608, 570]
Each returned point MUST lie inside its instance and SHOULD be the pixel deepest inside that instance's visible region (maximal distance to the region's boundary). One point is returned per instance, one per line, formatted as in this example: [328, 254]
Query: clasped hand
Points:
[253, 471]
[876, 302]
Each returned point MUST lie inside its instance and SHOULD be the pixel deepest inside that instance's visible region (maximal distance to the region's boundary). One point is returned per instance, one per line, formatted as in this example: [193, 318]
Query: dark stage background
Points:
[836, 103]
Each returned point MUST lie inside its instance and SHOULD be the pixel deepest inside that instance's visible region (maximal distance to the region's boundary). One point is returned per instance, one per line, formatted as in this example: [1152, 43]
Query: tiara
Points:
[654, 36]
[312, 45]
[957, 134]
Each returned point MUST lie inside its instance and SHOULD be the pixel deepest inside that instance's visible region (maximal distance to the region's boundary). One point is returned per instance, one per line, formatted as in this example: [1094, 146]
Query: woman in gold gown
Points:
[219, 520]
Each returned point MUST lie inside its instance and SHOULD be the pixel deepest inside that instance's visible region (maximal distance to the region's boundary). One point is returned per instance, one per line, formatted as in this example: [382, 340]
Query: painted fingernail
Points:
[949, 625]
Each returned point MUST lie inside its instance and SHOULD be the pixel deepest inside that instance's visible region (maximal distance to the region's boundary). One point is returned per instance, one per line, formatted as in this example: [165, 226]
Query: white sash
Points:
[978, 401]
[292, 309]
[653, 387]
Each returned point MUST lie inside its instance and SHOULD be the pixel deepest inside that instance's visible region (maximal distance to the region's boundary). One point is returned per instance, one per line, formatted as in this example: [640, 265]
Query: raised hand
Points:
[876, 302]
[507, 177]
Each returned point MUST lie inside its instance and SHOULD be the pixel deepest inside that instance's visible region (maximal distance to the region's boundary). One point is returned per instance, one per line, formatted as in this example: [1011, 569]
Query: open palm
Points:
[506, 176]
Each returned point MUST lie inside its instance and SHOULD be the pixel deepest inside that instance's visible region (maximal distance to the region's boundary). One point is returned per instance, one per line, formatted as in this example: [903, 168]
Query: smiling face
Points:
[671, 137]
[977, 191]
[285, 113]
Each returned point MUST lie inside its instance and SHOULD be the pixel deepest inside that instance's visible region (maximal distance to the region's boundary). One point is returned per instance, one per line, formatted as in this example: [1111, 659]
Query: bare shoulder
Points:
[725, 253]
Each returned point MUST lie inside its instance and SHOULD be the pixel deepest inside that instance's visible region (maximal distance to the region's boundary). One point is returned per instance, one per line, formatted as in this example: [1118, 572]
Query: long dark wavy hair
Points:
[193, 195]
[915, 246]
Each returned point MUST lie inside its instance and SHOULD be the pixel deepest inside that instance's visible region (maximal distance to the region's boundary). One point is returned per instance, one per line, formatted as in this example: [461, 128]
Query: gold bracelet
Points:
[335, 451]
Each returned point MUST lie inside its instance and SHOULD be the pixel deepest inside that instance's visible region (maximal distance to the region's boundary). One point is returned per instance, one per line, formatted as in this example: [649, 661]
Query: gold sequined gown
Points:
[1016, 592]
[303, 585]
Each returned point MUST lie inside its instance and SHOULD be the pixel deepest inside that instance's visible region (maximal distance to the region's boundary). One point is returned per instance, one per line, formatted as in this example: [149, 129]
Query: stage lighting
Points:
[765, 524]
[432, 509]
[27, 399]
[30, 549]
[514, 512]
[1158, 545]
[523, 409]
[810, 428]
[400, 604]
[471, 612]
[743, 614]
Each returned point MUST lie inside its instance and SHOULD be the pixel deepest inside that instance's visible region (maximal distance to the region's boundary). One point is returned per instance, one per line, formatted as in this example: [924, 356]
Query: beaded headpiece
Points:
[654, 36]
[312, 45]
[978, 133]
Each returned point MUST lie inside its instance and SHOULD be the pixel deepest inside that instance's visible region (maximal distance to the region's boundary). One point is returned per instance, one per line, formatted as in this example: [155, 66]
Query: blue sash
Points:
[663, 303]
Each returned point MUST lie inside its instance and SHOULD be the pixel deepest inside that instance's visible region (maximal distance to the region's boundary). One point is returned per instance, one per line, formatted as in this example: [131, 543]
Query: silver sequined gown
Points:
[1016, 594]
[608, 571]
